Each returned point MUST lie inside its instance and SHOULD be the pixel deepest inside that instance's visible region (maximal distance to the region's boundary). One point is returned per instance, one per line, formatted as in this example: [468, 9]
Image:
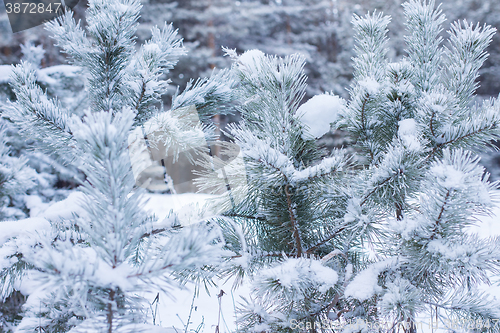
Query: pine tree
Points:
[89, 273]
[381, 237]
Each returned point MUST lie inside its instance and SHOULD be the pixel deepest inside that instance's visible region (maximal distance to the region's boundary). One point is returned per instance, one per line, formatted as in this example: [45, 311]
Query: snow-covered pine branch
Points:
[424, 24]
[156, 57]
[292, 197]
[392, 223]
[39, 117]
[210, 95]
[369, 72]
[466, 55]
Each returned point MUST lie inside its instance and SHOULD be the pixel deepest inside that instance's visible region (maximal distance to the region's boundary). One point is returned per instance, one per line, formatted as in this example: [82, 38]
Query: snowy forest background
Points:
[321, 31]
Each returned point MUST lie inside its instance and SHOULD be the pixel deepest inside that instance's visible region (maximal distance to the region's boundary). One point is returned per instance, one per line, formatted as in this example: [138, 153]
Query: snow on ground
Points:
[175, 312]
[187, 205]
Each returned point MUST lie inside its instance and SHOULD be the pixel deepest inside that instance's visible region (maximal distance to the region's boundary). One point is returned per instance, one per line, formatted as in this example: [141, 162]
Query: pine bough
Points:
[90, 273]
[382, 237]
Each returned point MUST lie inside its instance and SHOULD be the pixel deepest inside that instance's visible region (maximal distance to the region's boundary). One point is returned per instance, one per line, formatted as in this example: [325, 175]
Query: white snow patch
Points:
[355, 212]
[448, 176]
[151, 48]
[399, 294]
[175, 310]
[370, 85]
[151, 87]
[365, 283]
[293, 273]
[65, 70]
[448, 251]
[9, 229]
[404, 88]
[107, 276]
[326, 166]
[35, 205]
[53, 74]
[407, 127]
[436, 101]
[319, 112]
[65, 209]
[408, 134]
[406, 226]
[251, 61]
[121, 7]
[187, 206]
[488, 226]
